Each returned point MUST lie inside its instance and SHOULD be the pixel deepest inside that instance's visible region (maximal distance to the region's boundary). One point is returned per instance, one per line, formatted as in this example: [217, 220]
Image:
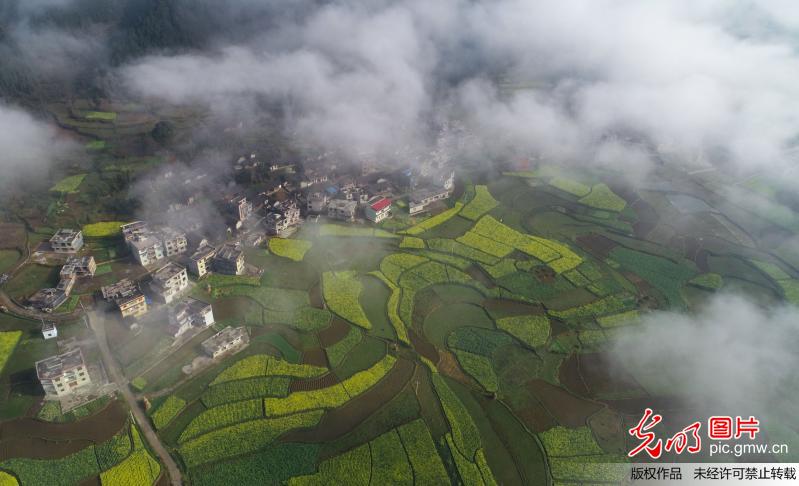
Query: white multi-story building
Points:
[342, 209]
[317, 202]
[377, 209]
[228, 339]
[127, 296]
[420, 199]
[190, 313]
[175, 242]
[169, 281]
[49, 331]
[67, 241]
[79, 267]
[229, 260]
[200, 260]
[147, 250]
[63, 374]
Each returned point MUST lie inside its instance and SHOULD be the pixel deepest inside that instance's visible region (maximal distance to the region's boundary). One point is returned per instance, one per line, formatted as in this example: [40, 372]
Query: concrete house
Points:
[127, 296]
[175, 242]
[317, 202]
[342, 209]
[229, 260]
[79, 267]
[188, 314]
[377, 209]
[282, 218]
[67, 241]
[200, 260]
[239, 207]
[228, 339]
[169, 281]
[63, 374]
[422, 198]
[49, 330]
[48, 300]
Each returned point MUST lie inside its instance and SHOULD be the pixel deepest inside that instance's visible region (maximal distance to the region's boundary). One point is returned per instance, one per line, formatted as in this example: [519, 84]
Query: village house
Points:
[63, 374]
[317, 202]
[229, 260]
[342, 209]
[239, 207]
[66, 282]
[146, 249]
[47, 300]
[169, 281]
[127, 296]
[282, 218]
[79, 267]
[190, 313]
[228, 339]
[67, 241]
[312, 177]
[420, 199]
[49, 330]
[200, 260]
[377, 209]
[175, 242]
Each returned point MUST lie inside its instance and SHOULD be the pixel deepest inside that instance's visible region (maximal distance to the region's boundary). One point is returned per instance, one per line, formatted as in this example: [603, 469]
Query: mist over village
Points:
[454, 242]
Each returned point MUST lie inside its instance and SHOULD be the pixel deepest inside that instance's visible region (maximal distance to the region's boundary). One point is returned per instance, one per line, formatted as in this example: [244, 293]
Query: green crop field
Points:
[69, 185]
[292, 249]
[103, 229]
[341, 291]
[472, 346]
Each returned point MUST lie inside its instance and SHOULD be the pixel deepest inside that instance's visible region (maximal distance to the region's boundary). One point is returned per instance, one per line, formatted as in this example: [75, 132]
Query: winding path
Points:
[116, 375]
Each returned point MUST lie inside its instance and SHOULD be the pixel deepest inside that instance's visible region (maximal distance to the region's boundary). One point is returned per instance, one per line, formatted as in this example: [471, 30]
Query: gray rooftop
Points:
[55, 366]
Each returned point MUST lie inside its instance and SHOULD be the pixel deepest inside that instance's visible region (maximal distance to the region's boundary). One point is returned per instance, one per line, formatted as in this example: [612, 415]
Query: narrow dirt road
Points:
[116, 375]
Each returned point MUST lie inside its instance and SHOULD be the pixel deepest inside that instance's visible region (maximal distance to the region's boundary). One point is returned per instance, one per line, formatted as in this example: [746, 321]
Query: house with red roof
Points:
[377, 209]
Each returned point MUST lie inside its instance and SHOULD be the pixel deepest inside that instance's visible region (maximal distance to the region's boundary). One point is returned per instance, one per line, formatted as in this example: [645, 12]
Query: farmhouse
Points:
[229, 260]
[175, 242]
[49, 330]
[239, 207]
[421, 198]
[127, 296]
[67, 241]
[48, 300]
[282, 218]
[342, 209]
[200, 260]
[377, 209]
[79, 267]
[190, 313]
[228, 339]
[146, 249]
[169, 280]
[317, 202]
[63, 374]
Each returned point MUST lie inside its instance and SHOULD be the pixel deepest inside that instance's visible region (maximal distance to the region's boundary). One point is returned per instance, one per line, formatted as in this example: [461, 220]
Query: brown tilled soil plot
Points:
[600, 377]
[535, 417]
[26, 437]
[567, 409]
[423, 346]
[647, 218]
[12, 235]
[597, 245]
[324, 381]
[342, 420]
[315, 296]
[507, 308]
[333, 333]
[569, 376]
[315, 357]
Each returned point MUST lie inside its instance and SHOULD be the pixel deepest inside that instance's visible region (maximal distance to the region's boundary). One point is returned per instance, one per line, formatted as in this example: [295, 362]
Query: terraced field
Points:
[470, 348]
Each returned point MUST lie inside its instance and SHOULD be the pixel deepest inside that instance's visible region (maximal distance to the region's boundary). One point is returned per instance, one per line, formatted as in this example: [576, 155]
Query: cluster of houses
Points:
[76, 267]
